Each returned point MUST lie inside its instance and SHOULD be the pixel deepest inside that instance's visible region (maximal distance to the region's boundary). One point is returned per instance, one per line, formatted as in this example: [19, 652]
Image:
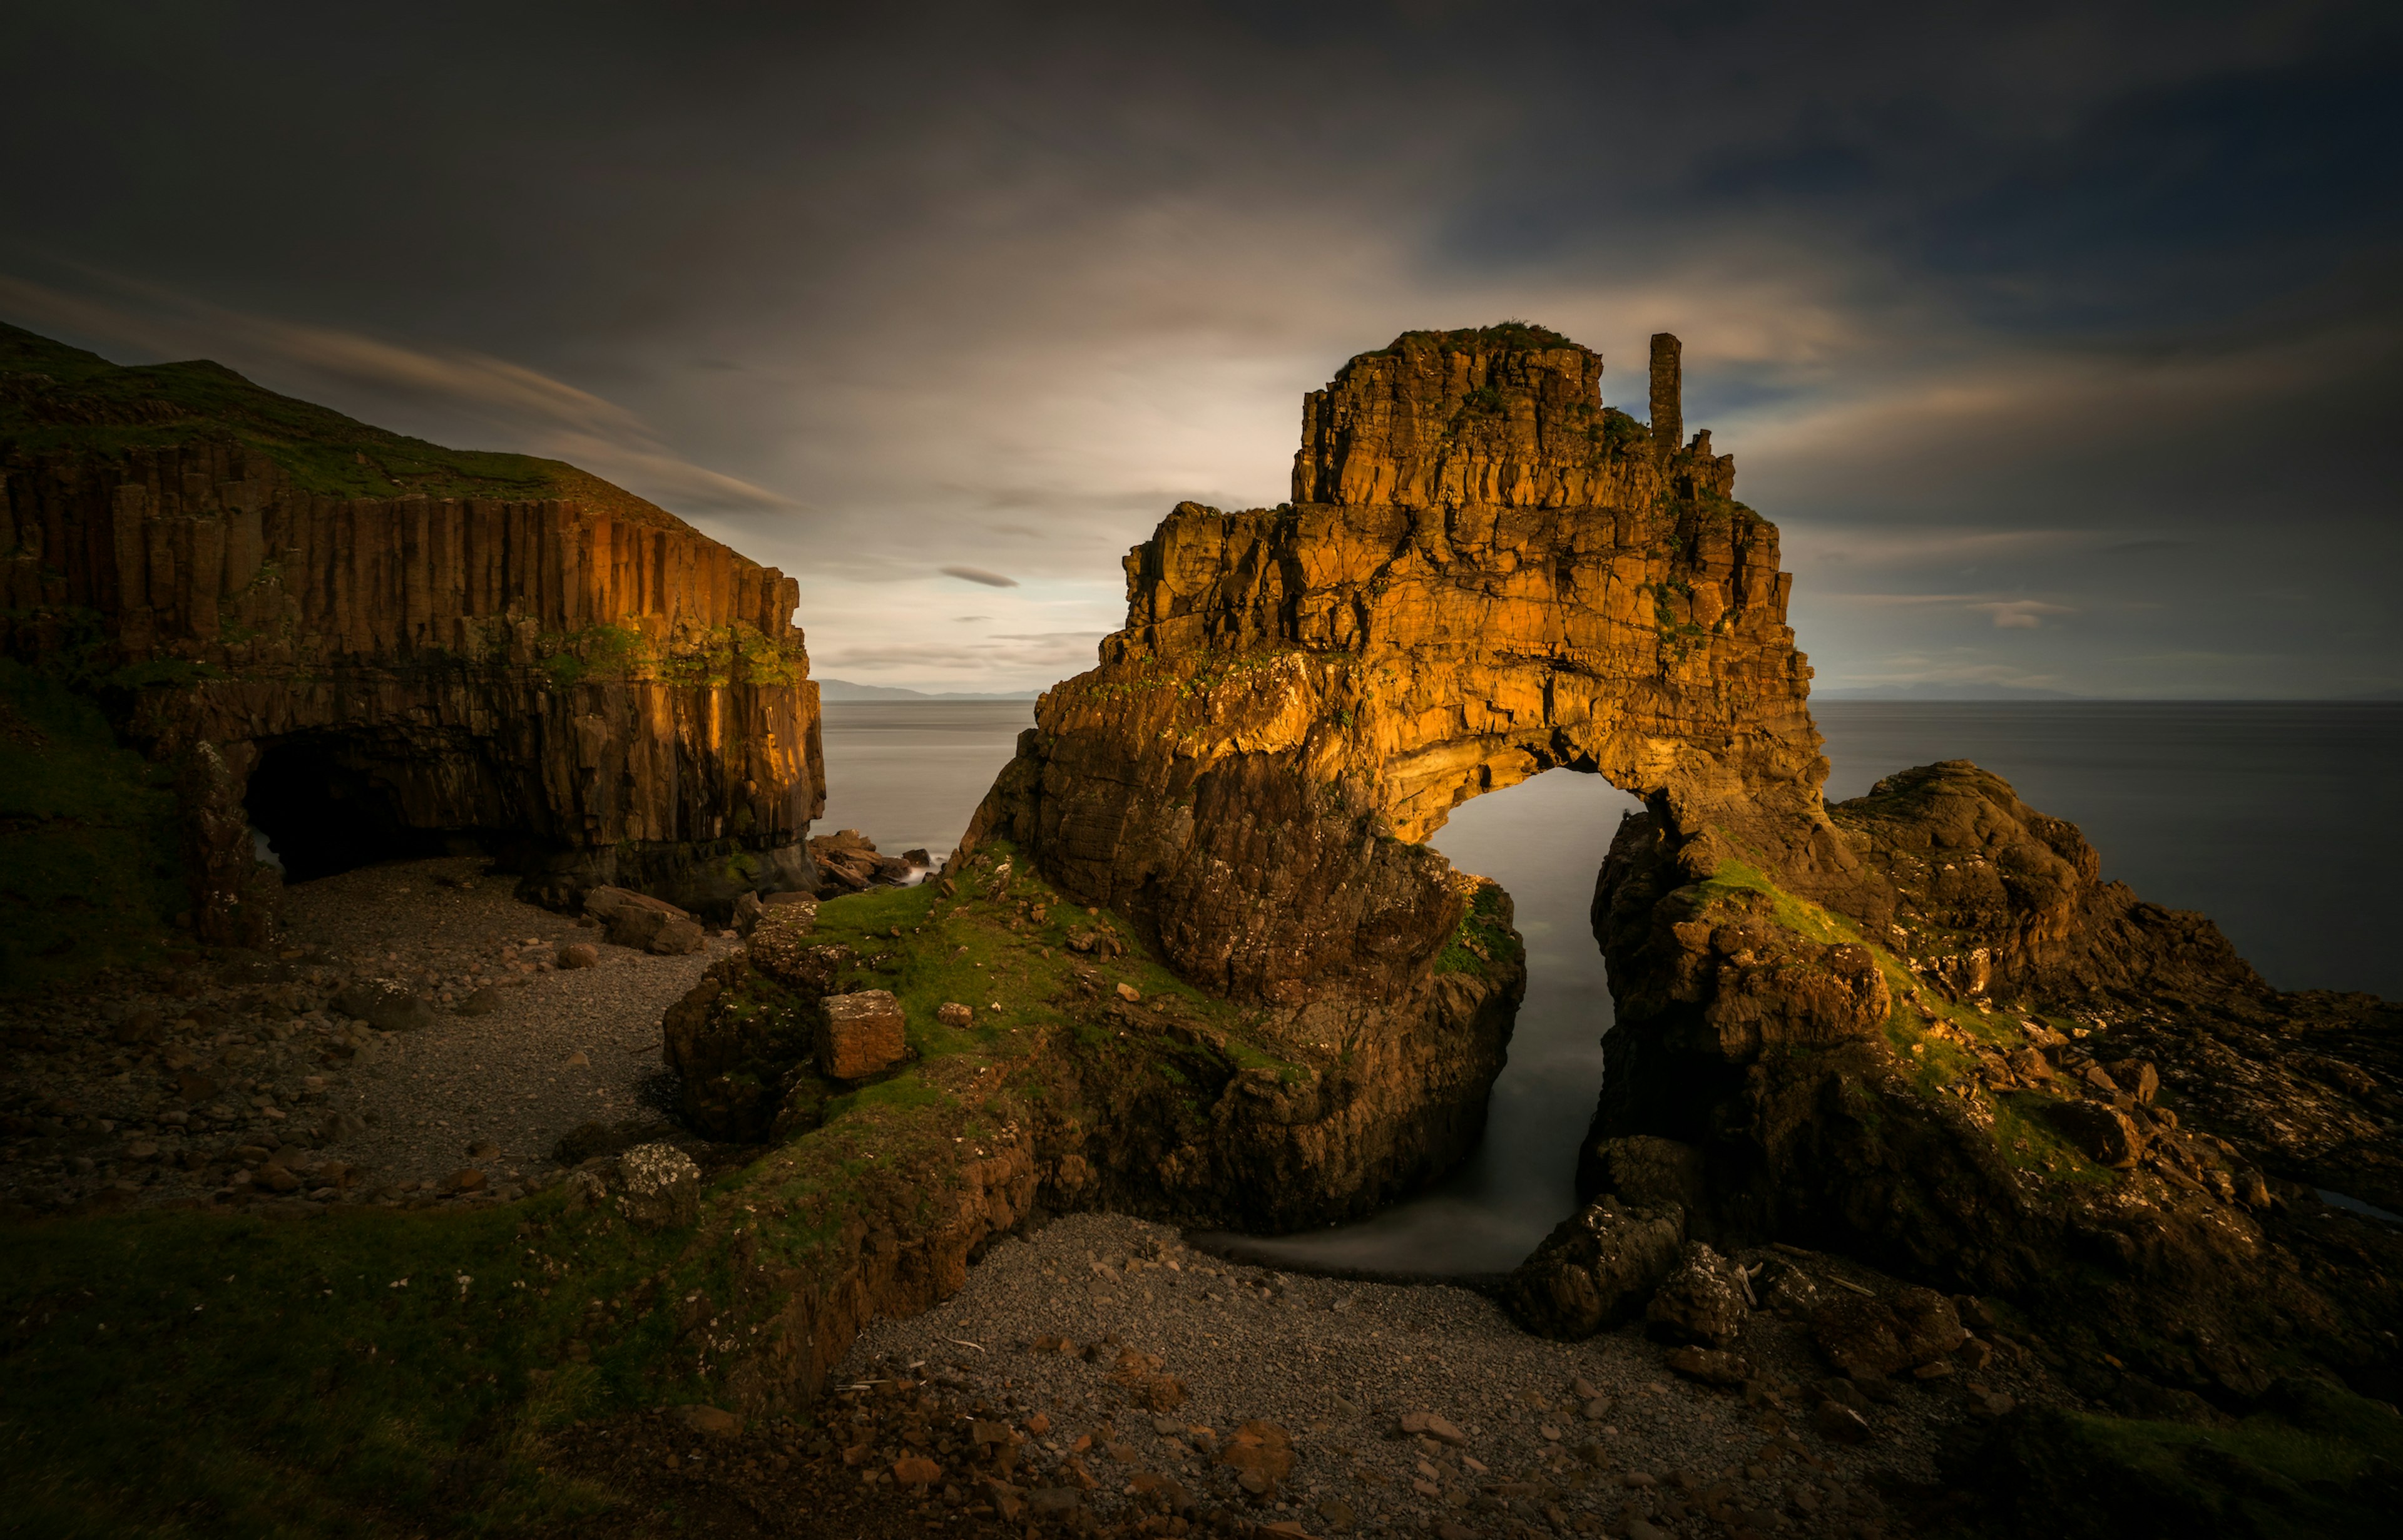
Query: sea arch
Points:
[1484, 572]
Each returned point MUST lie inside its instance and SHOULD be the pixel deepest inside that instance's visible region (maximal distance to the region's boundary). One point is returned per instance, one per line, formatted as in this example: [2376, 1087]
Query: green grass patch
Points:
[2023, 1136]
[360, 1372]
[1485, 940]
[2314, 1461]
[91, 858]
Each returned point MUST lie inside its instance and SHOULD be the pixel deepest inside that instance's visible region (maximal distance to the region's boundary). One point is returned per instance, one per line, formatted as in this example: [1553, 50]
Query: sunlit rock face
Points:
[1484, 572]
[602, 698]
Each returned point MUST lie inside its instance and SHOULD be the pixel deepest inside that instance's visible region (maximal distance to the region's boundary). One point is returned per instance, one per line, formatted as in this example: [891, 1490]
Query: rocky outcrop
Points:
[1964, 1068]
[598, 698]
[1484, 572]
[1258, 1118]
[1887, 1028]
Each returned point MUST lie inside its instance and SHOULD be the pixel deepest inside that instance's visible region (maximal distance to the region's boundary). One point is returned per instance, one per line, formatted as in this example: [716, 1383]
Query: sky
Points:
[2064, 343]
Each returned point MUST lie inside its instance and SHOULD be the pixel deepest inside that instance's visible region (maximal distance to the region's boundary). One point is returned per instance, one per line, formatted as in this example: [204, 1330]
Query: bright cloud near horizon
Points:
[2062, 343]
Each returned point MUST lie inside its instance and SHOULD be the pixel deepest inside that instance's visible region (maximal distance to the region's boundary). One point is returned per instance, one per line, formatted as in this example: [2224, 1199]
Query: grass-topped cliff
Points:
[56, 399]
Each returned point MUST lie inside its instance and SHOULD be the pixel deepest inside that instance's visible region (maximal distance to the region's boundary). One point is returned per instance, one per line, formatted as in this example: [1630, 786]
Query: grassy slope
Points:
[1936, 1059]
[91, 873]
[269, 1378]
[95, 405]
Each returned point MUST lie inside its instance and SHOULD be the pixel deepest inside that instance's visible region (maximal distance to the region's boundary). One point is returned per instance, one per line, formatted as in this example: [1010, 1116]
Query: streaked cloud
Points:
[978, 574]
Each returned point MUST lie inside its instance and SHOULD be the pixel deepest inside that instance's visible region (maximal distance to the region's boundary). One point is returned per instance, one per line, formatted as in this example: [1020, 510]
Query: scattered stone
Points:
[1884, 1335]
[2103, 1134]
[1833, 1420]
[638, 921]
[1429, 1425]
[1129, 993]
[2137, 1078]
[1710, 1366]
[386, 1005]
[710, 1422]
[579, 954]
[952, 1014]
[1261, 1454]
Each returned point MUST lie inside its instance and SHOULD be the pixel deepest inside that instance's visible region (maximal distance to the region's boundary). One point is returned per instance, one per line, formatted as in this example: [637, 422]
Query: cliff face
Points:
[1485, 574]
[612, 697]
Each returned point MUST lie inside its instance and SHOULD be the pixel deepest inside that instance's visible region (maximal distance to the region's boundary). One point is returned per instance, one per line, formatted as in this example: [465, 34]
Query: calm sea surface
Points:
[2282, 821]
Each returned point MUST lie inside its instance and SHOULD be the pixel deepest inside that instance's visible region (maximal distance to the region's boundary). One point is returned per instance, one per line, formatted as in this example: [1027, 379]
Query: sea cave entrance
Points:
[321, 806]
[1544, 841]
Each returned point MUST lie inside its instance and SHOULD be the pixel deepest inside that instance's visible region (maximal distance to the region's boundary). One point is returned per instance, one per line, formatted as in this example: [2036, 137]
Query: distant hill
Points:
[844, 690]
[1941, 692]
[58, 400]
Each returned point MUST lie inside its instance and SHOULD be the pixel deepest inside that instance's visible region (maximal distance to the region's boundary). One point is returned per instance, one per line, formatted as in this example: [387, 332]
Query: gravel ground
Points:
[1336, 1364]
[235, 1080]
[558, 1047]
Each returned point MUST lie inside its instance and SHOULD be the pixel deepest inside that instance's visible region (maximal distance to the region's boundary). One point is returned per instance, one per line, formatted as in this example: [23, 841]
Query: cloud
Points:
[2021, 614]
[1981, 301]
[978, 574]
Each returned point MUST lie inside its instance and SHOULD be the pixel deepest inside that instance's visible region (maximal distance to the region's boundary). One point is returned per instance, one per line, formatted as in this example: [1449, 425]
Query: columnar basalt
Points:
[609, 694]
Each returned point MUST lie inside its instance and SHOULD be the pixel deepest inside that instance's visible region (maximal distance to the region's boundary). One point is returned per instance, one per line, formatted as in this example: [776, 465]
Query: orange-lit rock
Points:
[1485, 574]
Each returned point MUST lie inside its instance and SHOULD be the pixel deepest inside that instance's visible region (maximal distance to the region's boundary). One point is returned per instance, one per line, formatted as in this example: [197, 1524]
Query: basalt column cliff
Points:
[599, 694]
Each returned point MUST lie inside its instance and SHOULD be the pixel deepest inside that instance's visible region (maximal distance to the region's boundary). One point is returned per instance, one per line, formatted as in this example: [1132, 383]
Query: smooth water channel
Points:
[2276, 819]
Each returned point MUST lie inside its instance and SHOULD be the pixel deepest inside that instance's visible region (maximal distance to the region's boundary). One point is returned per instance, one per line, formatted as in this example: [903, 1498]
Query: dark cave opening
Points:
[322, 815]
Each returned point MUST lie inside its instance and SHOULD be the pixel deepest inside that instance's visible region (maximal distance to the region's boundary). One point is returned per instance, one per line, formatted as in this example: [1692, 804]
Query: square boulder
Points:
[861, 1033]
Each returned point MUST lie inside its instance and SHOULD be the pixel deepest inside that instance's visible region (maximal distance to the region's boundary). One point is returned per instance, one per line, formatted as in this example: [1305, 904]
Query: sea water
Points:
[2278, 820]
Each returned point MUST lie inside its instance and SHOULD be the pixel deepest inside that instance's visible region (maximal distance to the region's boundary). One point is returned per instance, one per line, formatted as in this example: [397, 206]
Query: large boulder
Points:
[1595, 1268]
[861, 1033]
[747, 1032]
[1701, 1300]
[645, 924]
[1874, 1337]
[734, 1040]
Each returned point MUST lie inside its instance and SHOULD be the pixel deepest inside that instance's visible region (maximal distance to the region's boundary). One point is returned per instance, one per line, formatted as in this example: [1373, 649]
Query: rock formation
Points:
[1917, 1027]
[1485, 574]
[601, 696]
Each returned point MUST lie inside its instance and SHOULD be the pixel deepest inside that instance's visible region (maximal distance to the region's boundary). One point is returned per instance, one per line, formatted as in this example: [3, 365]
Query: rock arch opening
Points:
[1542, 839]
